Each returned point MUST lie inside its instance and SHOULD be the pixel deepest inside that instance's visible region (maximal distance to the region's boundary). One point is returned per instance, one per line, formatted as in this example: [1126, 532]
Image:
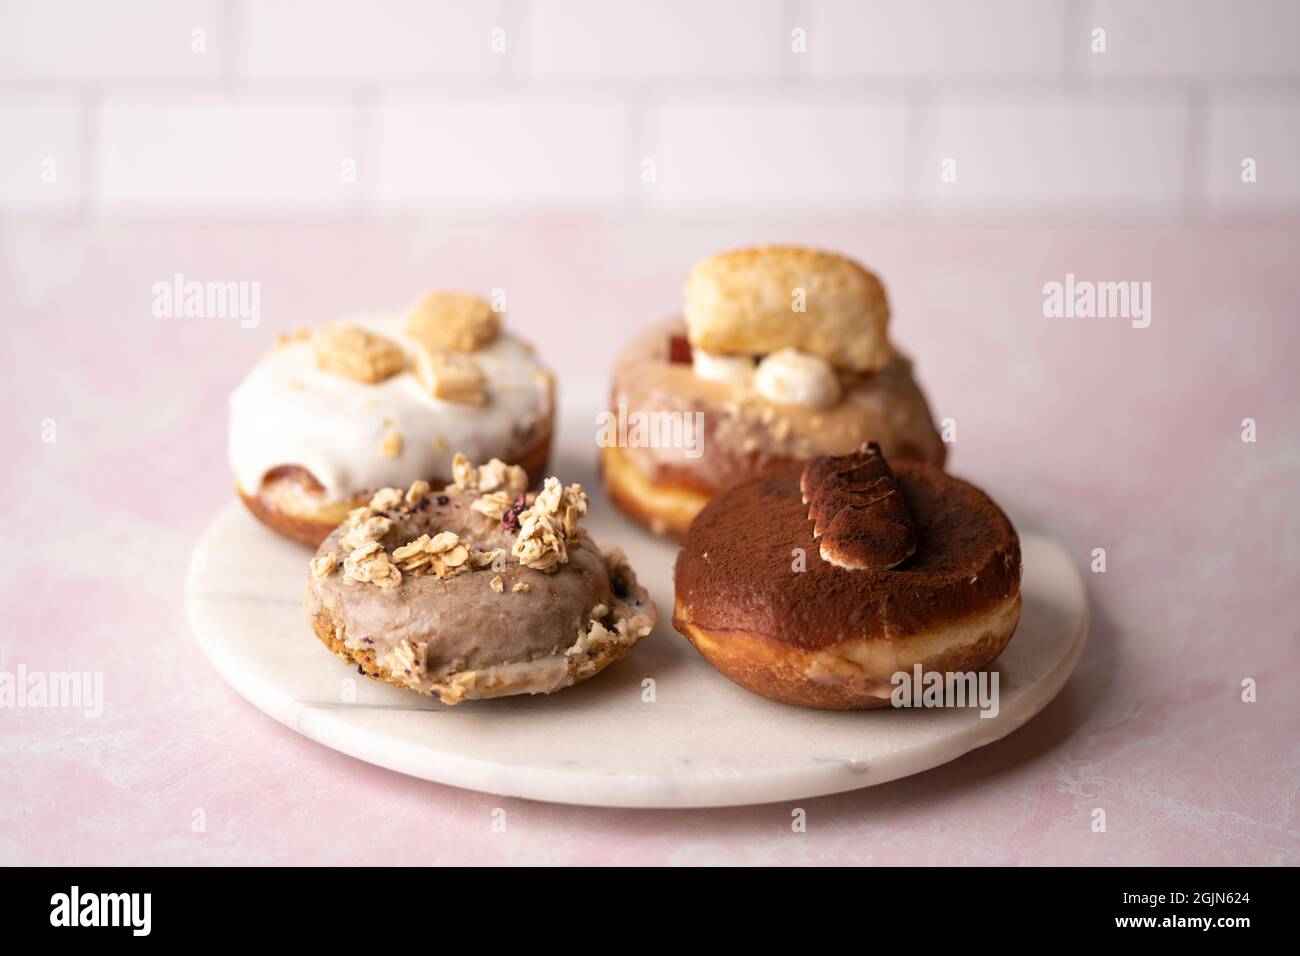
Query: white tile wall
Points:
[40, 152]
[284, 93]
[492, 151]
[937, 38]
[1019, 151]
[365, 39]
[1263, 128]
[1193, 38]
[83, 39]
[216, 151]
[660, 38]
[809, 152]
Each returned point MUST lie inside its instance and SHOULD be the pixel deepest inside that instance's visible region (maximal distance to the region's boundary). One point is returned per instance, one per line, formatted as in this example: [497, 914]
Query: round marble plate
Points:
[660, 728]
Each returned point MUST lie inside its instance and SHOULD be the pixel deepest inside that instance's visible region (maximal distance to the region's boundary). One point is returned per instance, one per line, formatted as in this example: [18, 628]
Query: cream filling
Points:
[289, 412]
[730, 369]
[877, 661]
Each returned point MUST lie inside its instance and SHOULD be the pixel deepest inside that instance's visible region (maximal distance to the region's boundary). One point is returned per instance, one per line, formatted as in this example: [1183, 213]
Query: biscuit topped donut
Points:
[816, 584]
[482, 589]
[758, 301]
[328, 418]
[783, 354]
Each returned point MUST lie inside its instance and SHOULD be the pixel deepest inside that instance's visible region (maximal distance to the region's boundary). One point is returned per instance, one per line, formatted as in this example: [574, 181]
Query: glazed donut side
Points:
[744, 435]
[853, 675]
[822, 636]
[664, 508]
[292, 503]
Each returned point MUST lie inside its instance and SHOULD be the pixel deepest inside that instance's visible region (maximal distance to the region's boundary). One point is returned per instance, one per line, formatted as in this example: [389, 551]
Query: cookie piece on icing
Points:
[453, 322]
[748, 302]
[356, 353]
[451, 376]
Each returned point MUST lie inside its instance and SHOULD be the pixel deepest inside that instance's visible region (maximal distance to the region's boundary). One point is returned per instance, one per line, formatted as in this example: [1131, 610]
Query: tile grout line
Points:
[918, 123]
[90, 124]
[1195, 146]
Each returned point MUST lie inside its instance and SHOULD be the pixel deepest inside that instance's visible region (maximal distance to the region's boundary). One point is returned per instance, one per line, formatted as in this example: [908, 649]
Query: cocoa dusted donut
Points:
[330, 417]
[817, 583]
[783, 355]
[479, 590]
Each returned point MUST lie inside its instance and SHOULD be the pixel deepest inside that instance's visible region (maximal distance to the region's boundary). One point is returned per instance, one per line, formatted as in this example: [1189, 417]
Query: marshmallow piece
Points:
[791, 377]
[731, 369]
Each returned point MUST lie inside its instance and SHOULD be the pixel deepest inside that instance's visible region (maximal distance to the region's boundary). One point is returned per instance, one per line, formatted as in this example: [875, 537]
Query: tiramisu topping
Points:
[860, 519]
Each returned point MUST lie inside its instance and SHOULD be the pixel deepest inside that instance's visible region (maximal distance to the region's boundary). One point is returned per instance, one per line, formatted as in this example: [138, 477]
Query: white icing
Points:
[732, 369]
[289, 412]
[792, 377]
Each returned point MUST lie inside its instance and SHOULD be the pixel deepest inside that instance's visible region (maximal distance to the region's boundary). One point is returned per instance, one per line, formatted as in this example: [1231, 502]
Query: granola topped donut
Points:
[482, 589]
[783, 355]
[331, 416]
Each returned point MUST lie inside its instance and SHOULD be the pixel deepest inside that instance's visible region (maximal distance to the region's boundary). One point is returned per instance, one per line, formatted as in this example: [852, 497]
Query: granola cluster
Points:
[367, 561]
[546, 527]
[500, 486]
[371, 564]
[495, 476]
[545, 523]
[444, 555]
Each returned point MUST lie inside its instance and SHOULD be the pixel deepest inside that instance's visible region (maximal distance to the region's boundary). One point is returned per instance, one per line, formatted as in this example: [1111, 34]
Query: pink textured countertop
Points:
[1108, 436]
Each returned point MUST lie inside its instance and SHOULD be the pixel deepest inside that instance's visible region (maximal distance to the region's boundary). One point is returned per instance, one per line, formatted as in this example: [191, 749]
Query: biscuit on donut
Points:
[757, 599]
[377, 401]
[757, 301]
[478, 590]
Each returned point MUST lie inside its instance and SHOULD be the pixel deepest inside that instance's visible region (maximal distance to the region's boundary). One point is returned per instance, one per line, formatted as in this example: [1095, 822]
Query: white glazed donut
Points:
[307, 444]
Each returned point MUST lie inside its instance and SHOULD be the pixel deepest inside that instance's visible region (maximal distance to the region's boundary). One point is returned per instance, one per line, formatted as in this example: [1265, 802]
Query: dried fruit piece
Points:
[357, 354]
[679, 350]
[452, 322]
[510, 520]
